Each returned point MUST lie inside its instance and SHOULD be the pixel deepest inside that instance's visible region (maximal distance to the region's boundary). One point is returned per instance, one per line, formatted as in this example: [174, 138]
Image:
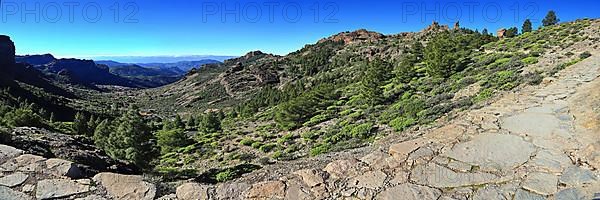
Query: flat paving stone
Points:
[574, 176]
[541, 183]
[493, 151]
[370, 180]
[58, 188]
[441, 177]
[526, 195]
[409, 191]
[532, 124]
[551, 161]
[490, 193]
[569, 194]
[13, 179]
[8, 194]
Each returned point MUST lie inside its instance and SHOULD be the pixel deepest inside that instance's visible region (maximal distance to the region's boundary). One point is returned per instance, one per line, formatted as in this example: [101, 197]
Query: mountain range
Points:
[90, 73]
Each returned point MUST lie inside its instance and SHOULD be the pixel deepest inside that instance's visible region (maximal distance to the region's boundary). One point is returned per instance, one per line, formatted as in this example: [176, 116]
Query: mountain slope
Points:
[23, 82]
[350, 89]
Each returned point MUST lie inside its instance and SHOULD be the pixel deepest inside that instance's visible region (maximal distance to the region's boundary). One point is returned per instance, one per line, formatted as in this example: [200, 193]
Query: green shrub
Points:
[319, 149]
[504, 80]
[268, 147]
[277, 154]
[585, 55]
[225, 175]
[484, 95]
[174, 173]
[23, 117]
[502, 61]
[247, 142]
[169, 140]
[401, 123]
[533, 78]
[317, 119]
[530, 60]
[362, 131]
[256, 145]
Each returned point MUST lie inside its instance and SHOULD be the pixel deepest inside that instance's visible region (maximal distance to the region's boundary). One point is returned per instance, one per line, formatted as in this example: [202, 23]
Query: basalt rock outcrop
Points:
[7, 51]
[361, 35]
[26, 176]
[88, 158]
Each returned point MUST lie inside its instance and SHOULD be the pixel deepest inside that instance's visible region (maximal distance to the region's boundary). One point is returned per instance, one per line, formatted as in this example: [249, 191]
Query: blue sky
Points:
[186, 27]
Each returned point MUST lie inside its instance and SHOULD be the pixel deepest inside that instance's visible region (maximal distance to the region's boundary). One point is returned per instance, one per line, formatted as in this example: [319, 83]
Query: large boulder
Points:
[85, 155]
[267, 190]
[8, 152]
[121, 186]
[192, 191]
[59, 188]
[7, 51]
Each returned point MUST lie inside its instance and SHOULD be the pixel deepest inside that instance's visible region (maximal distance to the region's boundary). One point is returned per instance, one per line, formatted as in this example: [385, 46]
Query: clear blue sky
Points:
[186, 27]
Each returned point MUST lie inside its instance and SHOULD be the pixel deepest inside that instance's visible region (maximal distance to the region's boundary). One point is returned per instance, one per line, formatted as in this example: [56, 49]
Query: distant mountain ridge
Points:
[161, 59]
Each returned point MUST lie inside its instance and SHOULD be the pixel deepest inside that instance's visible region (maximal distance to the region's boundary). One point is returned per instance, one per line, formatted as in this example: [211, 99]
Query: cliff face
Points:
[7, 51]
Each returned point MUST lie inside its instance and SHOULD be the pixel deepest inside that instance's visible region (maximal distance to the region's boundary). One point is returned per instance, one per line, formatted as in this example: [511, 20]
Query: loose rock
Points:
[311, 177]
[9, 194]
[371, 180]
[574, 176]
[268, 189]
[441, 177]
[409, 191]
[13, 179]
[341, 168]
[56, 188]
[192, 191]
[126, 186]
[541, 183]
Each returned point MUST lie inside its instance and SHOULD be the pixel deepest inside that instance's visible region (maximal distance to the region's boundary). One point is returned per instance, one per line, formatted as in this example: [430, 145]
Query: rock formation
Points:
[7, 51]
[435, 27]
[361, 35]
[500, 33]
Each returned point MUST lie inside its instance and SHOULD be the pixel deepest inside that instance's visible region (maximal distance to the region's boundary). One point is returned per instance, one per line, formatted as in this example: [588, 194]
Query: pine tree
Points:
[91, 126]
[131, 140]
[191, 122]
[169, 140]
[80, 124]
[178, 123]
[527, 27]
[405, 69]
[377, 72]
[512, 32]
[447, 54]
[550, 19]
[210, 123]
[485, 32]
[101, 134]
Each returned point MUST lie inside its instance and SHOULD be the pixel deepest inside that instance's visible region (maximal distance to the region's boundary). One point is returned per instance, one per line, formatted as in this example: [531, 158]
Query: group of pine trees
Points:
[550, 20]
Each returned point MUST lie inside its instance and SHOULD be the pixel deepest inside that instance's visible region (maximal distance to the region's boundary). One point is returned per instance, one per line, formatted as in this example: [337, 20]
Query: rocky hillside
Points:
[498, 151]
